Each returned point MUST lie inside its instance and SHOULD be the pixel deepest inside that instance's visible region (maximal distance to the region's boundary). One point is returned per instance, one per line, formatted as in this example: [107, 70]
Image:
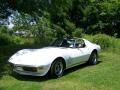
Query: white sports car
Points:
[61, 55]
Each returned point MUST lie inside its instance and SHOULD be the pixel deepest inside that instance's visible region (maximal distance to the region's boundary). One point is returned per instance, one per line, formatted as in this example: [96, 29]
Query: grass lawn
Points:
[103, 76]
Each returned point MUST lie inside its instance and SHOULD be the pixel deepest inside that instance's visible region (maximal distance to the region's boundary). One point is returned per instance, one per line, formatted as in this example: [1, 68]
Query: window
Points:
[80, 43]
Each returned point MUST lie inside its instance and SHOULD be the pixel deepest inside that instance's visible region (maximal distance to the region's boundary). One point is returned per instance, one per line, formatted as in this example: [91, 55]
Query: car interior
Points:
[71, 43]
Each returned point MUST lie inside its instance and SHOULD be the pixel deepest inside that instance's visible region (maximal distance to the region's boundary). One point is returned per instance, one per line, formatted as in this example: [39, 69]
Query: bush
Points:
[78, 32]
[3, 30]
[103, 40]
[5, 39]
[17, 40]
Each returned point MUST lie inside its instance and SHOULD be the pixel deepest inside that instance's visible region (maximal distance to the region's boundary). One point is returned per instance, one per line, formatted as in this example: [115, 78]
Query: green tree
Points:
[78, 32]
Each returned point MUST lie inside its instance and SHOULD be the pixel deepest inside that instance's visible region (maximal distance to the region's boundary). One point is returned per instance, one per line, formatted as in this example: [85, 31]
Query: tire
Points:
[57, 68]
[93, 60]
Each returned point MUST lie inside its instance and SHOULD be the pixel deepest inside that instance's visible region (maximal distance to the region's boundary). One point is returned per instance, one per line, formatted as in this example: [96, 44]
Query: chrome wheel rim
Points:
[94, 58]
[59, 68]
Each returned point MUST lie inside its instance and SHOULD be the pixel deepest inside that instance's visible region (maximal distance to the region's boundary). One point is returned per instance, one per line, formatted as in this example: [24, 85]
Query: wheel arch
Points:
[89, 60]
[95, 50]
[63, 60]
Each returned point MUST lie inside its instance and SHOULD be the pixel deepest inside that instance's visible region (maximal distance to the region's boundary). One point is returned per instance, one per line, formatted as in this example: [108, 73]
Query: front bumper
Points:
[31, 70]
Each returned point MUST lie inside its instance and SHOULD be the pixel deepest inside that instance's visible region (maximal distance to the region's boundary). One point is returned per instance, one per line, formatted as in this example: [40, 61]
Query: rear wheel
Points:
[57, 68]
[93, 58]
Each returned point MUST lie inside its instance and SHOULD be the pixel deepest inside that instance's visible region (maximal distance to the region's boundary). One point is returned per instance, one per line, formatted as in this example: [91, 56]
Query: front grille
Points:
[31, 69]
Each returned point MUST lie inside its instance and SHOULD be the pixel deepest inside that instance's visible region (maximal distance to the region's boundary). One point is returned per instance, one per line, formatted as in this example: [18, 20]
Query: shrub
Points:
[17, 40]
[5, 39]
[3, 30]
[78, 32]
[103, 40]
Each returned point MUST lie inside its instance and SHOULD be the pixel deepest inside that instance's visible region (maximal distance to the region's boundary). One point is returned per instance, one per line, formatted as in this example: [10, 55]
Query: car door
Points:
[79, 53]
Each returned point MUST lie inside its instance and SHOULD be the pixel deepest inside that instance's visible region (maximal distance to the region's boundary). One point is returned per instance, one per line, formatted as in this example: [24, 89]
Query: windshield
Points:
[64, 43]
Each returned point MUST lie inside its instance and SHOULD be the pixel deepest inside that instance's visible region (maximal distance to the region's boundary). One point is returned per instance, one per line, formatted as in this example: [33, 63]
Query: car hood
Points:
[37, 57]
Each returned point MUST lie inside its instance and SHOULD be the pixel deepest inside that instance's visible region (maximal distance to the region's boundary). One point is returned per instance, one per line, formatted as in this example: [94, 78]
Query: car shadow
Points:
[81, 66]
[47, 77]
[31, 78]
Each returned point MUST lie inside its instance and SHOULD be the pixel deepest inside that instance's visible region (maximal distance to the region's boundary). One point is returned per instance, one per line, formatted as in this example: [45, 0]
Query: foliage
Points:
[59, 31]
[4, 5]
[19, 40]
[48, 19]
[78, 32]
[3, 30]
[97, 16]
[103, 40]
[114, 43]
[4, 40]
[69, 27]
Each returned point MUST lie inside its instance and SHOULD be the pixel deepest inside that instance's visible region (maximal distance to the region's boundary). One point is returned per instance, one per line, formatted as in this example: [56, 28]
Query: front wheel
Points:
[57, 68]
[93, 58]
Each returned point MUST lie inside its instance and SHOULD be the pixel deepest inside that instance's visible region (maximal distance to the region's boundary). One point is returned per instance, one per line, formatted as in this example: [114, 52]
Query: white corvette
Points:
[61, 55]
